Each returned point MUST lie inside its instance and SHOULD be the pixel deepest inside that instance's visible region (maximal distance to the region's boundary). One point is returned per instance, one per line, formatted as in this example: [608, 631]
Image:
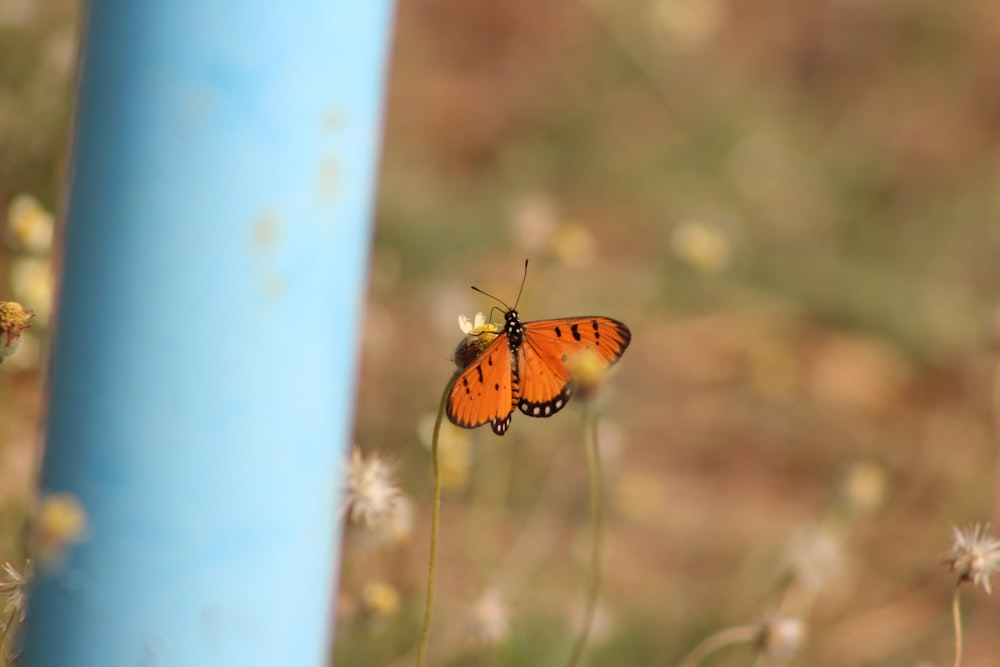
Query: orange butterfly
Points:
[525, 366]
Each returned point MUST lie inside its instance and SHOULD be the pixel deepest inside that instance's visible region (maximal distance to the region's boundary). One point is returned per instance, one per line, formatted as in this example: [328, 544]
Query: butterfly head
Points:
[513, 328]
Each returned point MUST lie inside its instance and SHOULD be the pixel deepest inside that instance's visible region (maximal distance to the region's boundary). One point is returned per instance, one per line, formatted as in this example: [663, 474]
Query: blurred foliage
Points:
[794, 205]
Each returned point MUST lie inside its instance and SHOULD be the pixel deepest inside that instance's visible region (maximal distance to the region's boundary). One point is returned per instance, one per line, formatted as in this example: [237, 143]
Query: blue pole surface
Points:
[212, 278]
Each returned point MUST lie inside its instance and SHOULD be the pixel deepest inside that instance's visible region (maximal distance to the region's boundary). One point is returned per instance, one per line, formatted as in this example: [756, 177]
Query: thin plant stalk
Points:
[743, 634]
[956, 616]
[596, 571]
[6, 635]
[995, 403]
[435, 525]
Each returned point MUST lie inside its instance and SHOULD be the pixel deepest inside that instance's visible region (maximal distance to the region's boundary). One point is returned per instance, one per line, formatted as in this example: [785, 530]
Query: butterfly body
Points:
[527, 367]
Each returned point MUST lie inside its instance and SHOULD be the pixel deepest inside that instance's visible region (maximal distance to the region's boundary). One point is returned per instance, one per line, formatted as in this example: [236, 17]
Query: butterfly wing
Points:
[485, 392]
[545, 380]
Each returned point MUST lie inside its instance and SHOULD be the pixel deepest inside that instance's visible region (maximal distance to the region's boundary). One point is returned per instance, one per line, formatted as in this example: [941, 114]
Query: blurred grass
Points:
[845, 154]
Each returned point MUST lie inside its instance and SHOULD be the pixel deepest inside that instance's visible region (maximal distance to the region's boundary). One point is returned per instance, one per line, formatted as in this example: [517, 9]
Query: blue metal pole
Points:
[201, 388]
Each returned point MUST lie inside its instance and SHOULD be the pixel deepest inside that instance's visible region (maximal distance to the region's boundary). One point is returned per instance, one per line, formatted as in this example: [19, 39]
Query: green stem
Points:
[435, 523]
[597, 526]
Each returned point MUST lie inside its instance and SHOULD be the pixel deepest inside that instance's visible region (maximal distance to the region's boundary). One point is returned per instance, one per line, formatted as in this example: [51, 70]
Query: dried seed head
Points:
[781, 638]
[13, 585]
[371, 493]
[14, 319]
[975, 555]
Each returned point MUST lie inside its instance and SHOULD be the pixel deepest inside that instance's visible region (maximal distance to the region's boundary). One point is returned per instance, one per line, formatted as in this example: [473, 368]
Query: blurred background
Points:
[795, 206]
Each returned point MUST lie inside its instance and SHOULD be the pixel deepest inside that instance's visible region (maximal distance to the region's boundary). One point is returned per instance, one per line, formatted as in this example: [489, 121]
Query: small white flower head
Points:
[371, 493]
[489, 617]
[780, 638]
[975, 555]
[13, 586]
[478, 335]
[468, 326]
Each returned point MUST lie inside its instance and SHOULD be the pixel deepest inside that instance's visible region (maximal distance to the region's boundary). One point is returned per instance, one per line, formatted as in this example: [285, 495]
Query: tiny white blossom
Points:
[468, 326]
[371, 493]
[780, 638]
[975, 555]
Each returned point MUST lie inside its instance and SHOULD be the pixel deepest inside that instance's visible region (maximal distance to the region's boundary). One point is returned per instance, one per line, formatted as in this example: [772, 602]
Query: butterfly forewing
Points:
[485, 391]
[545, 379]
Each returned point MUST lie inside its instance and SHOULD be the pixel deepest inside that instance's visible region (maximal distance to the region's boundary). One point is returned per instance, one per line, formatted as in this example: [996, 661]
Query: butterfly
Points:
[527, 366]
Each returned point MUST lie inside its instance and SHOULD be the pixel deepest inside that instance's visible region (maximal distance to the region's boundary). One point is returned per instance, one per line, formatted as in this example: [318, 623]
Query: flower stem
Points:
[743, 634]
[5, 635]
[596, 534]
[435, 523]
[956, 615]
[995, 405]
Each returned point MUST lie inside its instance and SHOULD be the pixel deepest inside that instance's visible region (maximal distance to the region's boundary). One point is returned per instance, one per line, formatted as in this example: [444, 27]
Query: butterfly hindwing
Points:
[545, 381]
[486, 390]
[549, 345]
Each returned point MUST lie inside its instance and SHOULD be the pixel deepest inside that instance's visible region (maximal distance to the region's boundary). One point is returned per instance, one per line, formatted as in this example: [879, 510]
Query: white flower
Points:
[975, 555]
[469, 327]
[371, 492]
[780, 638]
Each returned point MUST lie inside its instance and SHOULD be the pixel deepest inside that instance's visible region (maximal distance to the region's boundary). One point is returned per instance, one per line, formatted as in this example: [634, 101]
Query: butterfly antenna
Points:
[521, 289]
[506, 307]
